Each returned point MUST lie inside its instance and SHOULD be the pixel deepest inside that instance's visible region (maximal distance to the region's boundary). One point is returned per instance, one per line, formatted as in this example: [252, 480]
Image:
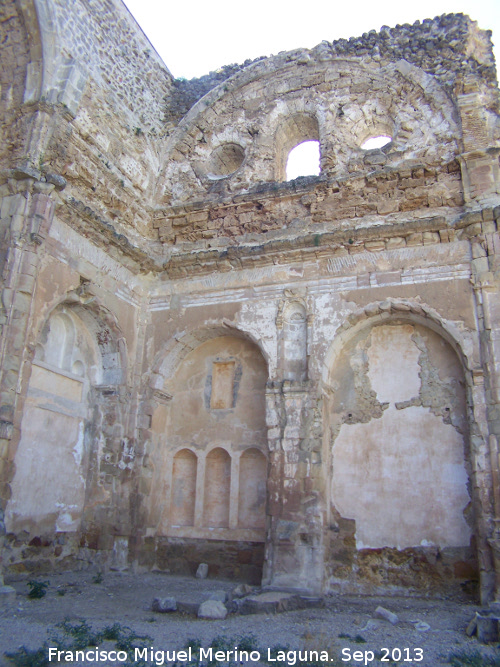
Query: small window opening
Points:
[376, 142]
[303, 160]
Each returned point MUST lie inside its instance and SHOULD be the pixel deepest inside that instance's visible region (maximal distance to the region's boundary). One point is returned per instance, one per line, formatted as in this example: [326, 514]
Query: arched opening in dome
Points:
[376, 142]
[303, 160]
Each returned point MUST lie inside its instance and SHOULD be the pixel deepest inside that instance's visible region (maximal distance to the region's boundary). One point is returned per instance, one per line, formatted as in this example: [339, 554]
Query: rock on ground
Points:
[212, 609]
[163, 605]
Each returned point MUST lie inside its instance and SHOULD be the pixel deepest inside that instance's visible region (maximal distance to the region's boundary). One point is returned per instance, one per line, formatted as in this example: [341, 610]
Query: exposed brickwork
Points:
[15, 59]
[312, 202]
[105, 42]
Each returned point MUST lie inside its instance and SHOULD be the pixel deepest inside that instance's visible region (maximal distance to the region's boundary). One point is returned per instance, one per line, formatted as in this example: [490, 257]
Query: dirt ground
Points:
[344, 625]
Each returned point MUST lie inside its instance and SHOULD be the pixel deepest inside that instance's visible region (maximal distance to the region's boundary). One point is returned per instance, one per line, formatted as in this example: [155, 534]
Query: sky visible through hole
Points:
[376, 142]
[303, 160]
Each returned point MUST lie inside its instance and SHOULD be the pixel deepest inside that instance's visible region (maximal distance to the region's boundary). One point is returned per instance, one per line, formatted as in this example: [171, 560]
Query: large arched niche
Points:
[400, 496]
[208, 456]
[79, 359]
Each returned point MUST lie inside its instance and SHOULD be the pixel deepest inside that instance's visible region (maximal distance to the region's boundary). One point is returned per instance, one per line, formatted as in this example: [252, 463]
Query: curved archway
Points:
[397, 446]
[212, 404]
[293, 131]
[170, 357]
[69, 408]
[102, 325]
[405, 310]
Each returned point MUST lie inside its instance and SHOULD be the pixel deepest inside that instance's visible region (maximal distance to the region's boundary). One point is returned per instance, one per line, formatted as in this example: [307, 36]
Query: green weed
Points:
[67, 636]
[25, 657]
[81, 634]
[473, 659]
[37, 589]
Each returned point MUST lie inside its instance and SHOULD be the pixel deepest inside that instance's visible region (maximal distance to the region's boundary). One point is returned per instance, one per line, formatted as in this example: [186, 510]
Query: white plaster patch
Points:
[78, 247]
[65, 523]
[402, 479]
[258, 319]
[393, 363]
[48, 490]
[78, 449]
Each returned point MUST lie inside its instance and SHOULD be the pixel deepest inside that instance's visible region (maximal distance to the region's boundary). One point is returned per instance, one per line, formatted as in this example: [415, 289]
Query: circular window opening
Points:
[376, 142]
[303, 160]
[226, 159]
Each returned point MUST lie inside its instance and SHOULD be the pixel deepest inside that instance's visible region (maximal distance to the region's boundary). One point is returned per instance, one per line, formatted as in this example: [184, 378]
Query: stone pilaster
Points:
[26, 213]
[486, 405]
[295, 551]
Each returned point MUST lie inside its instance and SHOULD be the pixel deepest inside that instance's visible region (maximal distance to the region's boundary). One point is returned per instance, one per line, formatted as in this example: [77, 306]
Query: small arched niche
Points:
[58, 337]
[68, 344]
[182, 505]
[293, 342]
[296, 130]
[217, 489]
[252, 489]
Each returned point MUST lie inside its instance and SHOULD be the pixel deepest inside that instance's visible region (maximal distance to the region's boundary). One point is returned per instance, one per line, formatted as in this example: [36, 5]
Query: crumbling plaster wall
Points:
[399, 453]
[298, 478]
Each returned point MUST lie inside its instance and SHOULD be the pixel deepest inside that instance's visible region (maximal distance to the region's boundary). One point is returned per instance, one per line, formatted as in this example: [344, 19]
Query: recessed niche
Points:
[222, 385]
[217, 489]
[252, 489]
[225, 160]
[183, 488]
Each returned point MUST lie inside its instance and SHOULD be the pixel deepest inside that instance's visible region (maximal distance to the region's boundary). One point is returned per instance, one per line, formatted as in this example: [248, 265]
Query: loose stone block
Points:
[213, 609]
[164, 605]
[202, 571]
[382, 612]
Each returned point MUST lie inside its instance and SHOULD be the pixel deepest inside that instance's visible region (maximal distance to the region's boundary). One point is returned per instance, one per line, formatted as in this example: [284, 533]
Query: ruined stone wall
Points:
[416, 281]
[228, 358]
[81, 112]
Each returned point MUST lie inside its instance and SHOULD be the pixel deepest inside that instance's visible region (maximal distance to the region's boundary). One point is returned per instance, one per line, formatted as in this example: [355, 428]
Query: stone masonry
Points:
[296, 382]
